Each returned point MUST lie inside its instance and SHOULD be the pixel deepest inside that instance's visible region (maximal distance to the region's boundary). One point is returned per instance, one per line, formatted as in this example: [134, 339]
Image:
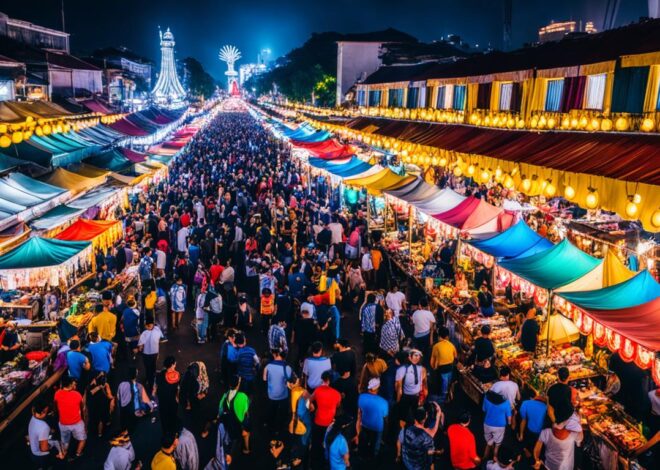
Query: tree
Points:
[200, 83]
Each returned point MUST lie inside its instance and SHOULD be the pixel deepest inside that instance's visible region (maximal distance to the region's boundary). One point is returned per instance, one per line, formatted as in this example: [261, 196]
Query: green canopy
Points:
[55, 217]
[638, 290]
[41, 252]
[555, 267]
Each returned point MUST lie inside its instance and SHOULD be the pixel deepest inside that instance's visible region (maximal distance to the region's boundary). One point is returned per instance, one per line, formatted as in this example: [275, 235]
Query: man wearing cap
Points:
[371, 420]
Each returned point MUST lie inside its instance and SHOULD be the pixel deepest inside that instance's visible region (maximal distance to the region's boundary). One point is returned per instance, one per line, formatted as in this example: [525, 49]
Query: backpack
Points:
[145, 268]
[228, 416]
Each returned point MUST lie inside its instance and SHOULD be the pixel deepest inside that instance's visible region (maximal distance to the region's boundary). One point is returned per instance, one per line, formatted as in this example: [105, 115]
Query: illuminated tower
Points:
[230, 55]
[168, 89]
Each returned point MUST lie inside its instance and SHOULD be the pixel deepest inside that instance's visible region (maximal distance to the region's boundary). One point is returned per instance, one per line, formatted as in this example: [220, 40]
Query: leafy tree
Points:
[200, 83]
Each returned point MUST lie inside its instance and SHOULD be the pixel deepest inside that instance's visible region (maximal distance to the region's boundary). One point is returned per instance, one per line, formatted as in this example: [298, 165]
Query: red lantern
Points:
[628, 350]
[599, 335]
[646, 359]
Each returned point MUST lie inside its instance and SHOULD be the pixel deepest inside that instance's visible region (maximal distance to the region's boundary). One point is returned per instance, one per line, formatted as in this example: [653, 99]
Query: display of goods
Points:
[620, 433]
[79, 319]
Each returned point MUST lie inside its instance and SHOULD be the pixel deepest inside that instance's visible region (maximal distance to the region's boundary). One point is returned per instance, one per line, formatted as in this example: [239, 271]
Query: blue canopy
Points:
[352, 167]
[302, 131]
[516, 242]
[319, 136]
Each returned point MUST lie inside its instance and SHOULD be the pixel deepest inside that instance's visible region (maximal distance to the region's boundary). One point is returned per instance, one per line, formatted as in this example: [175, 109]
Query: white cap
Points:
[373, 384]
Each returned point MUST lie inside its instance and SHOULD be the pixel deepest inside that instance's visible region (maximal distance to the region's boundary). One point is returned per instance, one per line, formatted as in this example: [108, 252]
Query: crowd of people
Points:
[266, 268]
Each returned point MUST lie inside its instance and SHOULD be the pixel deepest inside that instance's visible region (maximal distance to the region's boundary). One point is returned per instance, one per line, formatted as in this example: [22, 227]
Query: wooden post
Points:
[547, 346]
[368, 212]
[410, 229]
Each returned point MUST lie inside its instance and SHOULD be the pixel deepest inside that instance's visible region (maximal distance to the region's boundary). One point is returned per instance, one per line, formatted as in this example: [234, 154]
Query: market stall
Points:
[102, 233]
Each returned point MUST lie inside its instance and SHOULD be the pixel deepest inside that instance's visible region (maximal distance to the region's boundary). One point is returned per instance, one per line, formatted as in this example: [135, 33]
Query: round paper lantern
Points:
[595, 124]
[3, 128]
[637, 198]
[474, 117]
[534, 123]
[434, 161]
[606, 124]
[485, 176]
[569, 192]
[526, 184]
[47, 129]
[508, 182]
[520, 124]
[459, 172]
[592, 200]
[565, 123]
[443, 161]
[621, 124]
[552, 122]
[574, 123]
[470, 170]
[39, 131]
[511, 123]
[5, 141]
[655, 218]
[17, 137]
[550, 189]
[544, 184]
[631, 209]
[583, 122]
[542, 122]
[648, 125]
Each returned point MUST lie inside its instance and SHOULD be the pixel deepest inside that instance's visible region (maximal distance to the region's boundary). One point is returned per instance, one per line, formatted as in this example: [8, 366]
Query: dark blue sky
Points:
[201, 27]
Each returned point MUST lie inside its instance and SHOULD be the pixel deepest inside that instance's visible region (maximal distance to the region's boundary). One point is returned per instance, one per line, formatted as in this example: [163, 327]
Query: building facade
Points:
[355, 61]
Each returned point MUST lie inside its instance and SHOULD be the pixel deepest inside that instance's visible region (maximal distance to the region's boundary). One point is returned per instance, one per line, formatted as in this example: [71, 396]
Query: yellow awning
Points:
[90, 171]
[614, 271]
[640, 60]
[385, 179]
[74, 182]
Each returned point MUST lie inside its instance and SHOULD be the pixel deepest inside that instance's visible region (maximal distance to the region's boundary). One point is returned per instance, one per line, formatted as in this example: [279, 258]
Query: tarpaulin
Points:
[318, 136]
[471, 214]
[41, 252]
[639, 289]
[381, 181]
[614, 271]
[74, 182]
[557, 267]
[418, 190]
[85, 230]
[445, 200]
[516, 240]
[55, 217]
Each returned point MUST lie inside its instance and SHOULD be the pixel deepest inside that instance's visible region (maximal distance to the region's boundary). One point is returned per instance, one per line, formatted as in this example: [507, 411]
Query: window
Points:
[361, 98]
[413, 97]
[553, 95]
[595, 91]
[459, 97]
[395, 98]
[449, 97]
[374, 97]
[440, 101]
[506, 92]
[6, 90]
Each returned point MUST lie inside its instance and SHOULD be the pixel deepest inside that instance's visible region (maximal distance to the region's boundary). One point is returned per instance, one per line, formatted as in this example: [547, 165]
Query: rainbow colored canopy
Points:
[381, 181]
[318, 136]
[558, 267]
[517, 241]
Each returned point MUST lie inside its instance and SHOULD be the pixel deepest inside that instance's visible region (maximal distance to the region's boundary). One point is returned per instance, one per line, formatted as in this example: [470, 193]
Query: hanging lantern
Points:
[17, 137]
[434, 161]
[485, 176]
[637, 198]
[3, 128]
[47, 129]
[508, 182]
[552, 122]
[534, 123]
[5, 141]
[458, 172]
[592, 199]
[569, 192]
[443, 161]
[606, 124]
[655, 218]
[520, 124]
[631, 209]
[474, 117]
[648, 125]
[594, 125]
[544, 184]
[526, 184]
[38, 131]
[583, 122]
[565, 122]
[510, 123]
[621, 124]
[542, 122]
[470, 170]
[550, 189]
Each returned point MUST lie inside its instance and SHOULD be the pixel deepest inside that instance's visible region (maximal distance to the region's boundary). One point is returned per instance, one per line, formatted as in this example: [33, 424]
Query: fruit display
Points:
[616, 428]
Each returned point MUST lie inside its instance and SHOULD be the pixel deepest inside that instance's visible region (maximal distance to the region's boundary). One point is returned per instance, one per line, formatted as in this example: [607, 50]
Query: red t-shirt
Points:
[462, 447]
[327, 400]
[215, 270]
[68, 406]
[185, 220]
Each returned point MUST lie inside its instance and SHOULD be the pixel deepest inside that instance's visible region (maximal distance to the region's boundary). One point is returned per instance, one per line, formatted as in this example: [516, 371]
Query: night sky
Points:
[201, 27]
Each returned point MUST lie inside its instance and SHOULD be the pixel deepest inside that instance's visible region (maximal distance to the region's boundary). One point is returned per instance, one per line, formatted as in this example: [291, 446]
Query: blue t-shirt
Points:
[313, 367]
[336, 452]
[130, 320]
[101, 353]
[496, 415]
[374, 409]
[75, 361]
[534, 412]
[277, 374]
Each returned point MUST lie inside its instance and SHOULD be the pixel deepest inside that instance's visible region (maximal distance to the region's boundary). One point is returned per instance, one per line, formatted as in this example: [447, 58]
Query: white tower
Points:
[168, 89]
[230, 55]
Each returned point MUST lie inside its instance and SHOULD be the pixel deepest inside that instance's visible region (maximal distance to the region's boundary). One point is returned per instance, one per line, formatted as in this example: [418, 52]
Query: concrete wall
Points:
[355, 61]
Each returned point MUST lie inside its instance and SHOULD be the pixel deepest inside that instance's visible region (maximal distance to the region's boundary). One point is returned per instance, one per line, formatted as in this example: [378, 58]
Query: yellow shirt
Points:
[150, 300]
[162, 461]
[105, 324]
[443, 353]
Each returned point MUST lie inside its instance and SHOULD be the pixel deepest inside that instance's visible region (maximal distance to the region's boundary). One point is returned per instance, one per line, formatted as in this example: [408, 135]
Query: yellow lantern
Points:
[458, 172]
[427, 159]
[474, 117]
[5, 141]
[606, 125]
[565, 123]
[526, 184]
[47, 129]
[621, 124]
[648, 125]
[510, 123]
[534, 123]
[542, 122]
[487, 121]
[592, 199]
[485, 176]
[470, 170]
[434, 161]
[569, 192]
[583, 122]
[443, 161]
[27, 135]
[637, 198]
[508, 182]
[415, 159]
[3, 128]
[39, 131]
[496, 121]
[550, 189]
[574, 123]
[631, 209]
[520, 124]
[595, 124]
[552, 122]
[17, 137]
[498, 173]
[544, 184]
[655, 219]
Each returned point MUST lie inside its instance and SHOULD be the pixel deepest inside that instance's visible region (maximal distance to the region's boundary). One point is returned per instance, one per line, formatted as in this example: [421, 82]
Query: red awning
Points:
[630, 157]
[128, 128]
[85, 230]
[132, 155]
[328, 149]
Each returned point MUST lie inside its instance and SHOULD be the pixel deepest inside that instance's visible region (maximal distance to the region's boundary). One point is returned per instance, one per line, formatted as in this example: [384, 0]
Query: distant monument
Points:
[230, 55]
[168, 89]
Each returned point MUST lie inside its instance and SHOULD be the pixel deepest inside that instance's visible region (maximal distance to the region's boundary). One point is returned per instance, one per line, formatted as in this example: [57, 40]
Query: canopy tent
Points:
[132, 155]
[303, 130]
[559, 330]
[8, 163]
[474, 215]
[445, 200]
[113, 160]
[12, 236]
[328, 150]
[19, 111]
[101, 134]
[93, 198]
[40, 151]
[87, 170]
[563, 267]
[102, 233]
[57, 216]
[517, 240]
[31, 264]
[346, 169]
[614, 271]
[381, 181]
[418, 190]
[318, 136]
[128, 128]
[74, 182]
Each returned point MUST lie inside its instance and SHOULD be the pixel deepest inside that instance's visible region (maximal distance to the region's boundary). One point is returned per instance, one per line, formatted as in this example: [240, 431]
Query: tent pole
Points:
[366, 199]
[410, 229]
[547, 346]
[385, 214]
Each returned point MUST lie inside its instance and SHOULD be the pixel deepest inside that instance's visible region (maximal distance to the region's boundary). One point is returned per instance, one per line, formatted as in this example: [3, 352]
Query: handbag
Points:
[296, 426]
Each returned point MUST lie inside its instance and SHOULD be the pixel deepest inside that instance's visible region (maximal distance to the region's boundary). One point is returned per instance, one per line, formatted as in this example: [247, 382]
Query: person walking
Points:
[166, 391]
[371, 420]
[149, 346]
[70, 410]
[178, 299]
[443, 359]
[122, 453]
[164, 458]
[462, 444]
[234, 406]
[43, 450]
[325, 400]
[276, 375]
[186, 453]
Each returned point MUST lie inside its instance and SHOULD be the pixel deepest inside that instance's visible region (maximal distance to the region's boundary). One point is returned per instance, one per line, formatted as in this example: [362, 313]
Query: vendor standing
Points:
[529, 332]
[485, 299]
[11, 343]
[483, 353]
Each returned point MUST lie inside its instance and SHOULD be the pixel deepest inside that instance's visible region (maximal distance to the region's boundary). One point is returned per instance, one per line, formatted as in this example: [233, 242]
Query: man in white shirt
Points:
[395, 300]
[182, 240]
[337, 230]
[39, 434]
[161, 262]
[424, 324]
[367, 266]
[509, 390]
[149, 345]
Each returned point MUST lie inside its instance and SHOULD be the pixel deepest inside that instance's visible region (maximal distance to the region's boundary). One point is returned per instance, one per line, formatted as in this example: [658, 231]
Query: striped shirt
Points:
[368, 318]
[277, 338]
[390, 335]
